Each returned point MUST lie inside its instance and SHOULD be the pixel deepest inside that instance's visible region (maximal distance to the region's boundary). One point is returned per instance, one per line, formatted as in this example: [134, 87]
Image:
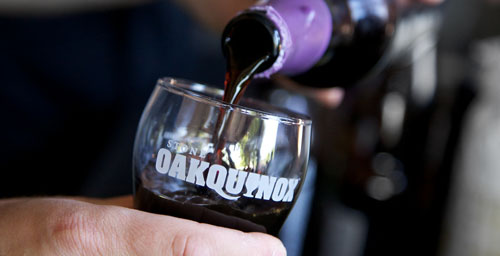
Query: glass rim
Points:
[208, 94]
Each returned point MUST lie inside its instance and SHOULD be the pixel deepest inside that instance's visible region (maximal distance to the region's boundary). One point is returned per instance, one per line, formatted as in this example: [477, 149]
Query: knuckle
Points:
[189, 244]
[75, 229]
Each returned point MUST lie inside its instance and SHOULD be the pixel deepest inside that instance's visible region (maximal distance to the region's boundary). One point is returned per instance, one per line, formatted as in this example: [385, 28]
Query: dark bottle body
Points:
[362, 33]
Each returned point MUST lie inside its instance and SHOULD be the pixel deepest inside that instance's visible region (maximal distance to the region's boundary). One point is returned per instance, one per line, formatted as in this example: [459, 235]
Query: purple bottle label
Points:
[305, 28]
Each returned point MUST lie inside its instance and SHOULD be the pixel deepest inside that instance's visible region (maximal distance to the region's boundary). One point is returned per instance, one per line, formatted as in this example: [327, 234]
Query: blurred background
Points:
[406, 164]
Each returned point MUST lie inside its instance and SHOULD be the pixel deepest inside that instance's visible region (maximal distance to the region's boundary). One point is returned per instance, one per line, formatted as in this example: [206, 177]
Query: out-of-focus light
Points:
[383, 163]
[380, 188]
[424, 68]
[389, 180]
[393, 114]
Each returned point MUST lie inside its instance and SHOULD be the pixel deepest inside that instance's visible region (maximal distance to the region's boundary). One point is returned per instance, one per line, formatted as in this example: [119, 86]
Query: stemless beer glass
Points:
[236, 166]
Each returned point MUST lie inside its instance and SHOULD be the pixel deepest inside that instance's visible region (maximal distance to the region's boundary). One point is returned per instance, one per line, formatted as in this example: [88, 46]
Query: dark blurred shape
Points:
[385, 156]
[74, 86]
[471, 56]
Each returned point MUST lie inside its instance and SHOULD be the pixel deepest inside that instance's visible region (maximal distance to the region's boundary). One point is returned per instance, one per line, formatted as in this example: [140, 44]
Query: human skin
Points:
[85, 226]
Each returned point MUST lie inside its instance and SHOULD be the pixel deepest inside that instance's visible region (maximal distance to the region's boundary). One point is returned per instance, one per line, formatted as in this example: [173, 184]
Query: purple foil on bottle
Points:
[286, 39]
[305, 28]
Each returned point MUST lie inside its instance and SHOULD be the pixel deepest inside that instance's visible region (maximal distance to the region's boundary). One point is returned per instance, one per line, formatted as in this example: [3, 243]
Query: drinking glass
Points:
[237, 166]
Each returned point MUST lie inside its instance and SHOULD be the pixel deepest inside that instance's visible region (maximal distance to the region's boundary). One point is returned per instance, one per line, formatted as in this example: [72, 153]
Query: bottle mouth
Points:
[282, 31]
[252, 34]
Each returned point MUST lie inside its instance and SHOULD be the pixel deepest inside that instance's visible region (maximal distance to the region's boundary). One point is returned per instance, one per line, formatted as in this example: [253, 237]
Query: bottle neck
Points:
[296, 32]
[313, 33]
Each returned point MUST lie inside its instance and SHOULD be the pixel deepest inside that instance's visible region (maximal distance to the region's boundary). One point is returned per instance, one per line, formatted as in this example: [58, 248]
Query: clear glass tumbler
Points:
[237, 166]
